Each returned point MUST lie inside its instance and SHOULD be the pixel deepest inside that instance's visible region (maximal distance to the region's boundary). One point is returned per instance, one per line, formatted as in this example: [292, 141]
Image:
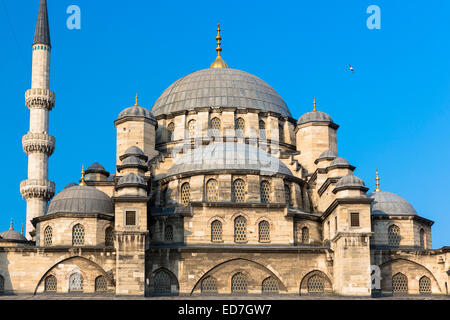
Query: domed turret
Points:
[131, 185]
[350, 186]
[12, 235]
[136, 111]
[96, 172]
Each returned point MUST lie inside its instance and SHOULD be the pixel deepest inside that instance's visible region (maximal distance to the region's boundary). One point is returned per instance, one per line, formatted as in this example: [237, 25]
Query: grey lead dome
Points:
[220, 88]
[315, 116]
[388, 203]
[350, 181]
[81, 199]
[136, 111]
[131, 179]
[12, 235]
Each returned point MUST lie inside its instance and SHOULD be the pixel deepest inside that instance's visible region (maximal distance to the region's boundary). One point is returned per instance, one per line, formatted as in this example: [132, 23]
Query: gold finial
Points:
[82, 183]
[218, 63]
[314, 104]
[21, 229]
[11, 225]
[377, 189]
[137, 98]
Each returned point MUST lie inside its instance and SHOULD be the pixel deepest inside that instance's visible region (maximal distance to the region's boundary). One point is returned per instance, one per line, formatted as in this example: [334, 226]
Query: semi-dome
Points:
[220, 87]
[388, 203]
[314, 116]
[227, 156]
[131, 180]
[81, 199]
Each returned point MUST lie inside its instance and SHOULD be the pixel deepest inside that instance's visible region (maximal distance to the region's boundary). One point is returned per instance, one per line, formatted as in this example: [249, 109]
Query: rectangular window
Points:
[130, 218]
[354, 219]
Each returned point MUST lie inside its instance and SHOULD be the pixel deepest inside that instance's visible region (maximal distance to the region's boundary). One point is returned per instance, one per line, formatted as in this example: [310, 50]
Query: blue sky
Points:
[394, 111]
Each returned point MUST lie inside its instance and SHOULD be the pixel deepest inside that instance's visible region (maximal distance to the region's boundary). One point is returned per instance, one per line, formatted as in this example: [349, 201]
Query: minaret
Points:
[37, 143]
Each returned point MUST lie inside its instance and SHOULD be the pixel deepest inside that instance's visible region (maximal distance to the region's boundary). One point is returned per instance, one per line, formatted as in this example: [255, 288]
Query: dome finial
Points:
[314, 104]
[11, 225]
[137, 98]
[218, 63]
[21, 229]
[82, 183]
[377, 189]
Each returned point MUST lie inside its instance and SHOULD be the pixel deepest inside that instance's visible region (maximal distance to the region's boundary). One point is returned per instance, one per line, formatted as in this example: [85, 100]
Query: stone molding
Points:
[43, 189]
[38, 142]
[40, 99]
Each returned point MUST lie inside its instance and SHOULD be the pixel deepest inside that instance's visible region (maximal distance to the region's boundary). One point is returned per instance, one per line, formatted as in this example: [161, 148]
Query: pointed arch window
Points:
[425, 285]
[305, 235]
[209, 285]
[287, 194]
[185, 194]
[265, 191]
[240, 127]
[238, 194]
[394, 236]
[262, 129]
[215, 125]
[168, 233]
[101, 284]
[264, 231]
[216, 231]
[239, 283]
[170, 130]
[76, 282]
[212, 190]
[78, 235]
[50, 284]
[48, 236]
[399, 283]
[269, 285]
[162, 282]
[191, 128]
[316, 284]
[240, 229]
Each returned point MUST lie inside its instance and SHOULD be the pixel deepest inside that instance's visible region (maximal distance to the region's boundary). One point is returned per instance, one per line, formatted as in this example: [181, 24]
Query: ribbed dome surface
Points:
[81, 199]
[314, 116]
[228, 156]
[339, 162]
[350, 180]
[388, 203]
[136, 111]
[134, 151]
[131, 179]
[12, 235]
[220, 88]
[132, 161]
[96, 166]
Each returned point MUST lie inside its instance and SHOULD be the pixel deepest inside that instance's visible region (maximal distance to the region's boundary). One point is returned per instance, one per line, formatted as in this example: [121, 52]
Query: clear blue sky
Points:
[394, 111]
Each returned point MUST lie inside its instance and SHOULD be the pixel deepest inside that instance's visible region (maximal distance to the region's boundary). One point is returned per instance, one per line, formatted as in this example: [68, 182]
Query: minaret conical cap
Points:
[42, 31]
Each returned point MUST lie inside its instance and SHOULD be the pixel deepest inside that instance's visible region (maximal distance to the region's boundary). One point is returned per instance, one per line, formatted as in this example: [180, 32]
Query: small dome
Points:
[70, 185]
[131, 180]
[339, 162]
[97, 168]
[137, 112]
[327, 155]
[132, 160]
[350, 181]
[134, 151]
[81, 199]
[12, 235]
[314, 116]
[388, 203]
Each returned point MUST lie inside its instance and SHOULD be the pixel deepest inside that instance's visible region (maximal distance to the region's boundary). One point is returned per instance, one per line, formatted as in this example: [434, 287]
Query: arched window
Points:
[264, 231]
[281, 132]
[50, 284]
[212, 190]
[191, 128]
[239, 283]
[185, 194]
[238, 194]
[168, 233]
[422, 238]
[209, 285]
[101, 284]
[262, 129]
[399, 283]
[215, 127]
[216, 231]
[394, 236]
[78, 235]
[109, 237]
[240, 229]
[424, 285]
[162, 282]
[76, 283]
[287, 194]
[315, 284]
[48, 236]
[265, 191]
[269, 285]
[2, 285]
[170, 129]
[240, 127]
[305, 235]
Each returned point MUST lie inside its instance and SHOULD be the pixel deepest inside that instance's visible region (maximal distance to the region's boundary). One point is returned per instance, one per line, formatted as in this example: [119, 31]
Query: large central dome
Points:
[220, 88]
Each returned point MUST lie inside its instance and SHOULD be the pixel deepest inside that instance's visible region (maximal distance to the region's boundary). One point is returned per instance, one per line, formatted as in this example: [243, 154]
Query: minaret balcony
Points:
[43, 189]
[40, 99]
[38, 143]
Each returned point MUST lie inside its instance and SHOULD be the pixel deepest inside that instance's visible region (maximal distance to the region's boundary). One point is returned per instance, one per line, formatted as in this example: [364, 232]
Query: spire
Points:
[137, 103]
[377, 189]
[218, 63]
[42, 32]
[314, 104]
[21, 230]
[82, 183]
[11, 225]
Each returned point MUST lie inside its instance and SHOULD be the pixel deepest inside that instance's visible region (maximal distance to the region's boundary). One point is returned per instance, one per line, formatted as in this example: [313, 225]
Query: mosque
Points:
[217, 190]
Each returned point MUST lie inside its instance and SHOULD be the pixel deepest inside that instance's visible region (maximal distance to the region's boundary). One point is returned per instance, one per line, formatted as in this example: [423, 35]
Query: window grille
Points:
[78, 235]
[240, 127]
[238, 190]
[109, 237]
[168, 233]
[191, 128]
[239, 283]
[354, 219]
[101, 284]
[2, 285]
[170, 128]
[281, 132]
[185, 194]
[76, 283]
[315, 284]
[48, 236]
[394, 236]
[264, 231]
[209, 285]
[262, 129]
[50, 284]
[162, 282]
[424, 285]
[399, 283]
[215, 127]
[216, 231]
[130, 218]
[212, 191]
[305, 235]
[265, 191]
[269, 285]
[287, 194]
[422, 238]
[240, 229]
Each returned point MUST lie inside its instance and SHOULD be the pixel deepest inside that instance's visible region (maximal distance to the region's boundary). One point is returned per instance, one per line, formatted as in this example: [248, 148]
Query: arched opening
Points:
[264, 231]
[265, 191]
[209, 285]
[424, 285]
[240, 229]
[48, 236]
[399, 284]
[238, 194]
[78, 235]
[216, 231]
[50, 284]
[394, 236]
[76, 282]
[101, 284]
[239, 284]
[212, 191]
[185, 194]
[269, 286]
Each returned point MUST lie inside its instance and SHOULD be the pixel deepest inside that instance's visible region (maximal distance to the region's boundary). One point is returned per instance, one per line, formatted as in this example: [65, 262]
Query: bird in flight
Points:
[351, 68]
